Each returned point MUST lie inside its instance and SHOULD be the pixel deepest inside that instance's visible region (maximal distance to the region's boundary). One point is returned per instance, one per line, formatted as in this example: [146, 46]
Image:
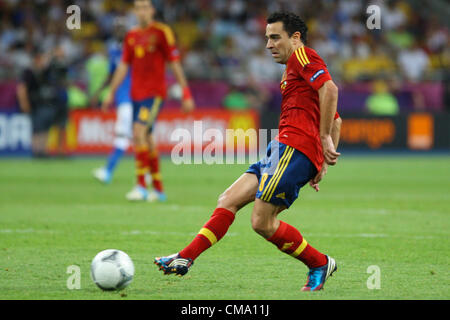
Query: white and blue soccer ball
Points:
[112, 270]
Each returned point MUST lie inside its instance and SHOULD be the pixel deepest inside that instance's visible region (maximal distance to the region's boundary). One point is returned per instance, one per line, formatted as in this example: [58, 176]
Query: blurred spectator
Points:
[400, 38]
[413, 62]
[97, 69]
[381, 102]
[257, 96]
[393, 14]
[198, 63]
[224, 40]
[236, 99]
[262, 68]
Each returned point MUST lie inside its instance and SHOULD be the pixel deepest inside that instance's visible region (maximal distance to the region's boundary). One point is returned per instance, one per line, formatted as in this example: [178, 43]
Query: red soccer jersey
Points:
[147, 51]
[300, 109]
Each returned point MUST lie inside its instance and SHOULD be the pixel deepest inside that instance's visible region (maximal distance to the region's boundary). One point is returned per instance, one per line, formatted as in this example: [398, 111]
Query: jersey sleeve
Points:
[127, 55]
[311, 68]
[169, 47]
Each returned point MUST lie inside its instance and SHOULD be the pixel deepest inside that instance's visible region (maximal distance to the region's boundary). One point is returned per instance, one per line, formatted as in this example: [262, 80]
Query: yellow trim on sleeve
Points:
[170, 37]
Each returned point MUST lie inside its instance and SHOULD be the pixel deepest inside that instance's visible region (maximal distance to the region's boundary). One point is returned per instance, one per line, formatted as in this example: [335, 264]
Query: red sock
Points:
[142, 164]
[290, 241]
[212, 231]
[154, 170]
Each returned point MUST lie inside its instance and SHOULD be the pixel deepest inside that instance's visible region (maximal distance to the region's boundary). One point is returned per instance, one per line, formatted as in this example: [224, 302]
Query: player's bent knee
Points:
[264, 226]
[264, 218]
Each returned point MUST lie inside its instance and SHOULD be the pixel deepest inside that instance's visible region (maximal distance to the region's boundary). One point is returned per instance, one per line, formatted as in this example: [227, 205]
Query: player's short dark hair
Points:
[291, 23]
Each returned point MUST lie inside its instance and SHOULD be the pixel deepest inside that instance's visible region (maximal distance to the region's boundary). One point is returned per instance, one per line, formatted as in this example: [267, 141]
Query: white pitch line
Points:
[169, 233]
[230, 234]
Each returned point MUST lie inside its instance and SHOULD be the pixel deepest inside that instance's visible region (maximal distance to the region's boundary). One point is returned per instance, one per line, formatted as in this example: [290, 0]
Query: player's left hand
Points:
[187, 105]
[314, 183]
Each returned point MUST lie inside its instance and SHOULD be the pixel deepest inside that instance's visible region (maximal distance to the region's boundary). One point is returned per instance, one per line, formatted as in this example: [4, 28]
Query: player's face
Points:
[144, 11]
[278, 42]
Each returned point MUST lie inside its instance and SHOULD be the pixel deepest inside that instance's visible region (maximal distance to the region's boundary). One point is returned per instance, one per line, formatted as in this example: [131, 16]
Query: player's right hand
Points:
[329, 151]
[187, 105]
[107, 102]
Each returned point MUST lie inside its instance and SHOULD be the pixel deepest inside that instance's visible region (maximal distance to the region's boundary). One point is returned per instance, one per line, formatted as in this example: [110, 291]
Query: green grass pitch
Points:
[386, 211]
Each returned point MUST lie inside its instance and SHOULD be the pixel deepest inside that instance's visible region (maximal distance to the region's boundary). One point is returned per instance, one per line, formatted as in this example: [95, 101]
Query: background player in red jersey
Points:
[147, 49]
[308, 135]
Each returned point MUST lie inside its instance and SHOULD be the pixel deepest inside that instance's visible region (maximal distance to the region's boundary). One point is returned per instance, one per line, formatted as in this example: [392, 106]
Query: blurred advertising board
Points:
[92, 132]
[15, 134]
[413, 131]
[409, 131]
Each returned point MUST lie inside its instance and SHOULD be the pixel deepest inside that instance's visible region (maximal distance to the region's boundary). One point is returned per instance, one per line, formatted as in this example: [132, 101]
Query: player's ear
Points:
[296, 38]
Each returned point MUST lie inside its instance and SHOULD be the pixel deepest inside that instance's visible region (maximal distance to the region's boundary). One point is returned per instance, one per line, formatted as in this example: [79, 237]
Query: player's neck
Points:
[146, 24]
[294, 48]
[297, 46]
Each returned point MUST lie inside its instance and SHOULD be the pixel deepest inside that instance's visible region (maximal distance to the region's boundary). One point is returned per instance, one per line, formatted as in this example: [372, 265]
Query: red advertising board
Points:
[92, 132]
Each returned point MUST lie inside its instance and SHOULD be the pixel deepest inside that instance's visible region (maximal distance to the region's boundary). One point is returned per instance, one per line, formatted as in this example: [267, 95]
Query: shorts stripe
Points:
[208, 234]
[155, 110]
[285, 153]
[280, 168]
[300, 249]
[278, 178]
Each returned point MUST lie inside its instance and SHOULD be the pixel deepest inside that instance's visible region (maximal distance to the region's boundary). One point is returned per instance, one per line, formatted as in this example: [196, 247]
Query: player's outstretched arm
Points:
[117, 79]
[187, 102]
[328, 97]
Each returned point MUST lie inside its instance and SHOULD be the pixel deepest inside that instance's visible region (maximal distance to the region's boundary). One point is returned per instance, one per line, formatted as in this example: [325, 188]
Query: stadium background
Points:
[223, 52]
[382, 208]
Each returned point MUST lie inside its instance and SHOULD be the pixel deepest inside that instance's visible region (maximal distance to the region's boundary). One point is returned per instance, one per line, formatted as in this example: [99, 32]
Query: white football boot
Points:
[137, 194]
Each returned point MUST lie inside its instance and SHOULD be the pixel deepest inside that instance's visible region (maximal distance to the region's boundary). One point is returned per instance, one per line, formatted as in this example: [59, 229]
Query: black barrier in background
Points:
[412, 131]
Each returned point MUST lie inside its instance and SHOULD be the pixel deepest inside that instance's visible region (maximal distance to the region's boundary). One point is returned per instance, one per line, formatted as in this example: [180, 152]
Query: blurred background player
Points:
[309, 132]
[42, 93]
[147, 49]
[123, 127]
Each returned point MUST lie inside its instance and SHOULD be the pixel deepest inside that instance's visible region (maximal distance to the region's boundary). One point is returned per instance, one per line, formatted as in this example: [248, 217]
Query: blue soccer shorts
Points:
[282, 173]
[146, 111]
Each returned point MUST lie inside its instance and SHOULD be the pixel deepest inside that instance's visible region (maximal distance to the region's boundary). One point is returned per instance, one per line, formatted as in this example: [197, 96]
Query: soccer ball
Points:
[112, 270]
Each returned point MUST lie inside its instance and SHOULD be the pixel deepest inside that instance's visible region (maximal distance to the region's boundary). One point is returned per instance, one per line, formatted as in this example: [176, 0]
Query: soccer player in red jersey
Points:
[146, 51]
[309, 132]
